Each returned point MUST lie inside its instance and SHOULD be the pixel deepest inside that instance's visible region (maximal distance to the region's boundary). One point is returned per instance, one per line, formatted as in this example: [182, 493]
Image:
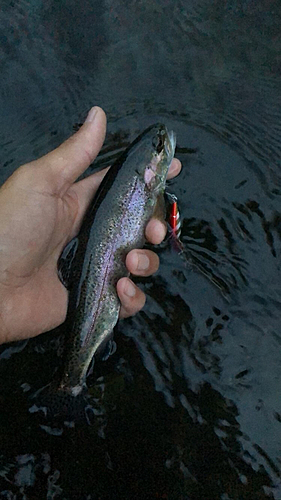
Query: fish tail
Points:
[53, 404]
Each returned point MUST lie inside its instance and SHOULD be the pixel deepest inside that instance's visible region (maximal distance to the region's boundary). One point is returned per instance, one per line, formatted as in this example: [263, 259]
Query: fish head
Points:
[158, 148]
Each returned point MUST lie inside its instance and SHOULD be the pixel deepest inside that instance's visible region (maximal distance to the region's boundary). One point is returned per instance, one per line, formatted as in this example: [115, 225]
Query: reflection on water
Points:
[188, 407]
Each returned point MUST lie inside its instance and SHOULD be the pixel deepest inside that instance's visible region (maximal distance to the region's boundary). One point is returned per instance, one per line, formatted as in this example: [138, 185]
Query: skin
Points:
[41, 209]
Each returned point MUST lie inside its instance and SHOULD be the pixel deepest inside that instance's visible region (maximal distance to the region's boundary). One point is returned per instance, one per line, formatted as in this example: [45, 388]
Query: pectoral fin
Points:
[66, 260]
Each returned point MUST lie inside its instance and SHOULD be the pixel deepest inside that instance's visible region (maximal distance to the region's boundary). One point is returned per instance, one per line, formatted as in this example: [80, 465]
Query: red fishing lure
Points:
[174, 216]
[174, 231]
[174, 220]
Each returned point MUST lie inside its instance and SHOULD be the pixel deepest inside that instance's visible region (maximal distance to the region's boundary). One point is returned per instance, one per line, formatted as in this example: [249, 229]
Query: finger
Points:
[155, 231]
[66, 163]
[131, 297]
[142, 262]
[174, 169]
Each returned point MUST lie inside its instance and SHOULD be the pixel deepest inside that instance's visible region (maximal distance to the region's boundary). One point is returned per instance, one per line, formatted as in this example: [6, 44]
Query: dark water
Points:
[189, 406]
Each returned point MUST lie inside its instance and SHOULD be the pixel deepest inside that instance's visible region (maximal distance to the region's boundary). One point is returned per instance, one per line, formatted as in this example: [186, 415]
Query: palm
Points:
[42, 224]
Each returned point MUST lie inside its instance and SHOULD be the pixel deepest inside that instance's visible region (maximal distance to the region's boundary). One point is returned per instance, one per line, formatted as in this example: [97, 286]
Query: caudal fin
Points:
[53, 405]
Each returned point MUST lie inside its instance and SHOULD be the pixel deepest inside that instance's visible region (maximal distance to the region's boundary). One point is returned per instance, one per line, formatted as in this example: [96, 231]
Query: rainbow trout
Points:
[94, 261]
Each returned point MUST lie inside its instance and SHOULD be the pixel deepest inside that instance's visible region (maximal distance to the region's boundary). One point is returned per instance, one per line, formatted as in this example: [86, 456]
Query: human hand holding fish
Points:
[42, 208]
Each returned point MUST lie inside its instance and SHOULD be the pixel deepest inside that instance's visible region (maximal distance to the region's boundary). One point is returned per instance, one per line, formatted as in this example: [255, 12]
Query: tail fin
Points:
[53, 405]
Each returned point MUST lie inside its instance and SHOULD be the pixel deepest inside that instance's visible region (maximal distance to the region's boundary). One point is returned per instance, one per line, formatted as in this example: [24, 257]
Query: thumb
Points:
[66, 163]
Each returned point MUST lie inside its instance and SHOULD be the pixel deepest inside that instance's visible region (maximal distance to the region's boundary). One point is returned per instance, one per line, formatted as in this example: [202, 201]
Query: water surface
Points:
[189, 405]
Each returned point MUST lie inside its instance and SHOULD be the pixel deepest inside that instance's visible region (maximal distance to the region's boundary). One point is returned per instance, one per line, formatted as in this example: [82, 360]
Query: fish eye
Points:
[158, 142]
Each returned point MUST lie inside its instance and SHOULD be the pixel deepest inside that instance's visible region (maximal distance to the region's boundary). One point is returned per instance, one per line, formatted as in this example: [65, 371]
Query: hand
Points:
[41, 209]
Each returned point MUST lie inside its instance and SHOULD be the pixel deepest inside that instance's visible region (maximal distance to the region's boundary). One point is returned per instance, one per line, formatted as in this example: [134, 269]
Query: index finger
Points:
[174, 169]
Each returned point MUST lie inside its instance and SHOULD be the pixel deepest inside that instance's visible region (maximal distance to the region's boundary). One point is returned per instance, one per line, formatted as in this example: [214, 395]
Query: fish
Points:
[92, 263]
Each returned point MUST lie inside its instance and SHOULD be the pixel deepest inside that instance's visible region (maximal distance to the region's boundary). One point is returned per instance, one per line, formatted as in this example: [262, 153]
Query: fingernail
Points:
[91, 115]
[143, 262]
[130, 289]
